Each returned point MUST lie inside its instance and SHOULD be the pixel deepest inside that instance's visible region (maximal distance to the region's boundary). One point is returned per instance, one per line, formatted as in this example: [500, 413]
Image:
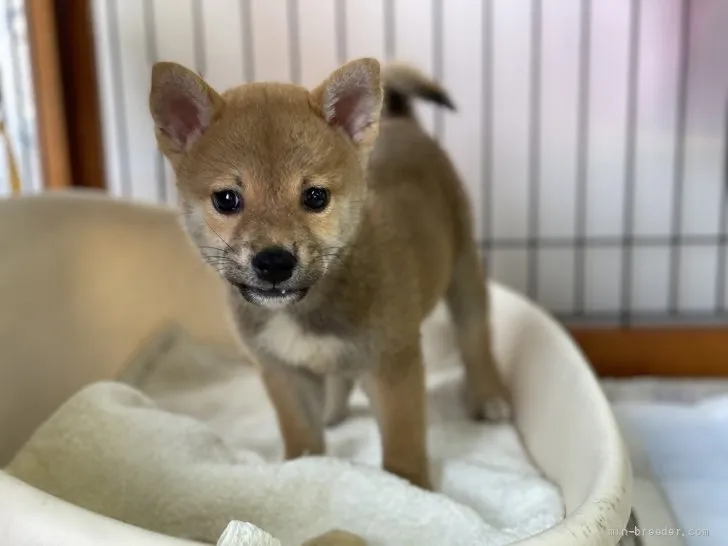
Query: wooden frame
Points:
[64, 80]
[77, 50]
[50, 111]
[671, 352]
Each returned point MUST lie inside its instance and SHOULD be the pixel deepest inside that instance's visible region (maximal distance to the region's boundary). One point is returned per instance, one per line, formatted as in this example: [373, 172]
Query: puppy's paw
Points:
[336, 404]
[494, 407]
[336, 538]
[418, 479]
[425, 484]
[335, 415]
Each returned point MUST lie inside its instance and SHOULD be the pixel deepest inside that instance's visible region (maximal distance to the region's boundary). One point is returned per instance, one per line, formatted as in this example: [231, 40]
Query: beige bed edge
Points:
[569, 430]
[563, 417]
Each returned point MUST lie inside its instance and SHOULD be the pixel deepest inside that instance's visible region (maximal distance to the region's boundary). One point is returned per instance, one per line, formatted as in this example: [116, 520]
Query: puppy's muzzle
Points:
[274, 265]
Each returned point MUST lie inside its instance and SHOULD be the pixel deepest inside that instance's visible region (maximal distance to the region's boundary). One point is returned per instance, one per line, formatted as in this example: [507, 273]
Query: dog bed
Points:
[114, 273]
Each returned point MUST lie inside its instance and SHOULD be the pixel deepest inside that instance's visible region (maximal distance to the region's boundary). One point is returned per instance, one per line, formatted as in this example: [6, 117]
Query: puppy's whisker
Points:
[220, 237]
[220, 257]
[231, 265]
[214, 248]
[332, 250]
[223, 261]
[324, 256]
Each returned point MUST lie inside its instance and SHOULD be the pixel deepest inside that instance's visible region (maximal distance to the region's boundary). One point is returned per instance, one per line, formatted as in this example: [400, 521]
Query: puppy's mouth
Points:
[272, 297]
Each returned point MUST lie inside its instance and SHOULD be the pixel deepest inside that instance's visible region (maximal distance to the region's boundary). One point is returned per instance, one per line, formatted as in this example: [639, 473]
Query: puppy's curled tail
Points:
[401, 82]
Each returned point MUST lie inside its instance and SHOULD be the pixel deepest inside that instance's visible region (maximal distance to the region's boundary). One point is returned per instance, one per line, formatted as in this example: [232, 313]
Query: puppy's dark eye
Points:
[227, 201]
[315, 199]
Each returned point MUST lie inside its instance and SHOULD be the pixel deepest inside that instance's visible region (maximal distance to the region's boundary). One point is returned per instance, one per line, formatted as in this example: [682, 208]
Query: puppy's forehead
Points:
[278, 126]
[272, 106]
[275, 122]
[265, 91]
[270, 135]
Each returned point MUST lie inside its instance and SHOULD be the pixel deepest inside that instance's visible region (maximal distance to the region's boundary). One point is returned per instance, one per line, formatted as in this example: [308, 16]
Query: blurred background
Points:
[591, 134]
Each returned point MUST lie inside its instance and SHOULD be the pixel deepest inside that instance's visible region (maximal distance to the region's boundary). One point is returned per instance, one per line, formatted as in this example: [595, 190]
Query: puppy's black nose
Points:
[274, 264]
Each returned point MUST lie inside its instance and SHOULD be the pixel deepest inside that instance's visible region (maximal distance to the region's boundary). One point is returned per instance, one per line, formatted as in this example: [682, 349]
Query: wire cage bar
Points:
[591, 135]
[19, 159]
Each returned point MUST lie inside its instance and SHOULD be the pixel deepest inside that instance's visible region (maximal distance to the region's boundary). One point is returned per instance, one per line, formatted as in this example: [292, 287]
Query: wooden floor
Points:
[669, 352]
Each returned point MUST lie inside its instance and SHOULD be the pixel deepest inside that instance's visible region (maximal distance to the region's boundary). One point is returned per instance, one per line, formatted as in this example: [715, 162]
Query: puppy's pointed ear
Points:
[183, 107]
[351, 98]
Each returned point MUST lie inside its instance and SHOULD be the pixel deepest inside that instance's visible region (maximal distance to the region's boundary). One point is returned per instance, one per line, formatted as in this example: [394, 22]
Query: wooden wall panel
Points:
[77, 55]
[679, 352]
[66, 92]
[52, 130]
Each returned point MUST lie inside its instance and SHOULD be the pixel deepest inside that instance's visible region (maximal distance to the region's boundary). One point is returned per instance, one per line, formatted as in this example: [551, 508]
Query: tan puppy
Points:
[337, 236]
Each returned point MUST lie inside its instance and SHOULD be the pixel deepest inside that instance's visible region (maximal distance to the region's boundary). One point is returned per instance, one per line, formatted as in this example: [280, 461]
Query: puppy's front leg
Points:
[297, 397]
[338, 390]
[396, 390]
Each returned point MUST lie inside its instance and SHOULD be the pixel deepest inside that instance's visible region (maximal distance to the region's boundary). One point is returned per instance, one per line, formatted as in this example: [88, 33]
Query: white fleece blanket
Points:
[199, 447]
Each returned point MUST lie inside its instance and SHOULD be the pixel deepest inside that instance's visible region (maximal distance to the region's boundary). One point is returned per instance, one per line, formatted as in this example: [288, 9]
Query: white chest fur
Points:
[284, 338]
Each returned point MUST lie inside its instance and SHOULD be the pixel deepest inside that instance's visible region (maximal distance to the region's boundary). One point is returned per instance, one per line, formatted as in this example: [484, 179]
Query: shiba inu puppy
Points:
[337, 233]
